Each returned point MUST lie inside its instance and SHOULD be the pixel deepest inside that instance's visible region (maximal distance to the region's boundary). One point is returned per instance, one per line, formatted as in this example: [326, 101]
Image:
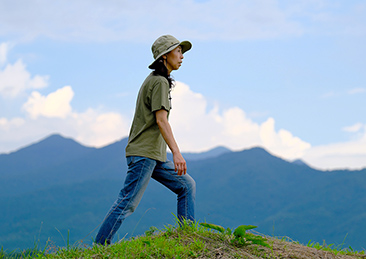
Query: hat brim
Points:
[185, 45]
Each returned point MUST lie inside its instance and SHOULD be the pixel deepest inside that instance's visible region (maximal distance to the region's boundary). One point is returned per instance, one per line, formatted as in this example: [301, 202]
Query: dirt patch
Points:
[279, 249]
[283, 249]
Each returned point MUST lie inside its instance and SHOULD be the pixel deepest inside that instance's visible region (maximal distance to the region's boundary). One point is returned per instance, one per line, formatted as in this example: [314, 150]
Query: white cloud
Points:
[195, 127]
[54, 105]
[98, 129]
[118, 20]
[6, 125]
[138, 20]
[54, 114]
[282, 143]
[354, 128]
[198, 129]
[15, 79]
[345, 155]
[357, 91]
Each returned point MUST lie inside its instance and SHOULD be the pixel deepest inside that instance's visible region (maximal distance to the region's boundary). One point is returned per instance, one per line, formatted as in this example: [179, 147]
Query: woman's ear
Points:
[164, 56]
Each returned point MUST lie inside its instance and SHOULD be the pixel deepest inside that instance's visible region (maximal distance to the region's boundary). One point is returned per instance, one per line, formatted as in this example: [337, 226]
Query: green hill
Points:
[195, 241]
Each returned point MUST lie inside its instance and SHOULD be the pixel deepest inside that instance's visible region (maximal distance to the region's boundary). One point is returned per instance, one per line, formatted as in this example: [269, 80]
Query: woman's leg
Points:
[137, 178]
[182, 185]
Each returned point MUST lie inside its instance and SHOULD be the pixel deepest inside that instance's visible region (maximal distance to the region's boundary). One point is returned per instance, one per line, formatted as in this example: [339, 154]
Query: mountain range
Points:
[58, 191]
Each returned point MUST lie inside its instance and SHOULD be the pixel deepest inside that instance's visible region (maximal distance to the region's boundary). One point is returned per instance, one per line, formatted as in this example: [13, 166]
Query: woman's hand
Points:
[179, 164]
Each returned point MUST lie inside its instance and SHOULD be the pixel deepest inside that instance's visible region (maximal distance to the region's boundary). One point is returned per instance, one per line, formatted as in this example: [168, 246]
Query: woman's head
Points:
[166, 44]
[168, 55]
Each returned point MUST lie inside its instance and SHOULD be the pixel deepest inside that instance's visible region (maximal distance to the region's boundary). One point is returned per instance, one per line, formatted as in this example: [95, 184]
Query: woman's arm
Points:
[167, 133]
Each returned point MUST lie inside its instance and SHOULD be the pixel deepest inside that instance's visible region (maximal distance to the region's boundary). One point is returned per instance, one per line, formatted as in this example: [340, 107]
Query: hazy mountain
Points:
[203, 155]
[57, 185]
[57, 160]
[299, 162]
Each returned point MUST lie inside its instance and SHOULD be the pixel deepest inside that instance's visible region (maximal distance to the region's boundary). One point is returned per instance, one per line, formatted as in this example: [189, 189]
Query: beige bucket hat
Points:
[165, 44]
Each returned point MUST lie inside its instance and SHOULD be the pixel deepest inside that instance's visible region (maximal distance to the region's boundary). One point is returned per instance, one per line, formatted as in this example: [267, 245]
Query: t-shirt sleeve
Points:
[160, 96]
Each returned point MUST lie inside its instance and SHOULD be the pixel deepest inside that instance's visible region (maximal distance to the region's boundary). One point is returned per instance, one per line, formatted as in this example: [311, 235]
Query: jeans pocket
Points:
[133, 159]
[130, 160]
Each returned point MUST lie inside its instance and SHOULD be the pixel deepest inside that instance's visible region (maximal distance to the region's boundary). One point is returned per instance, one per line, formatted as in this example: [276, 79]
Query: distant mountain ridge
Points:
[59, 184]
[55, 148]
[203, 155]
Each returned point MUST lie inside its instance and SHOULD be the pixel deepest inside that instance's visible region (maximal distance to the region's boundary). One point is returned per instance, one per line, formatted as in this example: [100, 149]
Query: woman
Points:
[149, 137]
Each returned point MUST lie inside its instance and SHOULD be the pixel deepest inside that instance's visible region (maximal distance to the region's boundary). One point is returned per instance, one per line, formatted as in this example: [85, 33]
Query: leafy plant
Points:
[214, 226]
[240, 236]
[243, 238]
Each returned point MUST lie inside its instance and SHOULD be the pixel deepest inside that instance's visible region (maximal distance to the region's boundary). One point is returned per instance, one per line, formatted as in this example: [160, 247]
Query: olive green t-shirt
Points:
[145, 138]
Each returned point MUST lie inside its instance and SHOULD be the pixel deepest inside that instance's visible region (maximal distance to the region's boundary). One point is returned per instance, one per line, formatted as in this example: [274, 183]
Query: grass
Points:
[195, 240]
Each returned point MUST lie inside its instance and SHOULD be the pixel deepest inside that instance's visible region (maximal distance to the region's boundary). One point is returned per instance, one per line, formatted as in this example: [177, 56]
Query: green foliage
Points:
[28, 253]
[243, 238]
[213, 226]
[241, 230]
[186, 239]
[34, 252]
[240, 236]
[335, 249]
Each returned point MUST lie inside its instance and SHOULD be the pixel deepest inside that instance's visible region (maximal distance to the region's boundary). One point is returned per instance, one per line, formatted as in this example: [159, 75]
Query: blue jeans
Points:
[140, 170]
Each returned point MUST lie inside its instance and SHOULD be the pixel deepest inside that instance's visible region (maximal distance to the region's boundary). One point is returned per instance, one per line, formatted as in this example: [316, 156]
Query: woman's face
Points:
[174, 59]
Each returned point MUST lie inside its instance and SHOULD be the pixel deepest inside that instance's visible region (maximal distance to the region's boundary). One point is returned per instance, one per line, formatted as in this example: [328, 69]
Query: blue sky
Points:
[285, 75]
